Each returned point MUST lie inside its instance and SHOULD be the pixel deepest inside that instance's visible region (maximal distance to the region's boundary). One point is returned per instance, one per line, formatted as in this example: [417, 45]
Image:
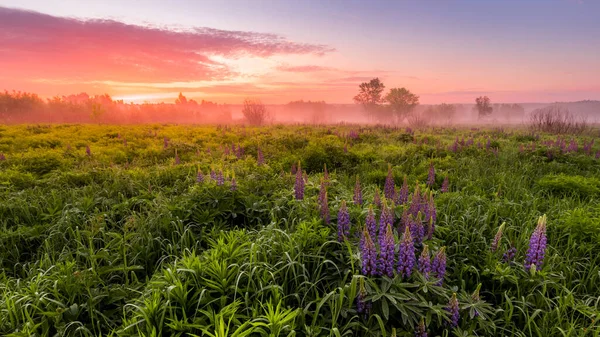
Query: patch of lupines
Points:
[424, 262]
[220, 178]
[406, 255]
[431, 176]
[389, 188]
[537, 245]
[415, 226]
[453, 311]
[509, 255]
[368, 254]
[260, 159]
[377, 198]
[200, 177]
[497, 238]
[233, 185]
[371, 223]
[387, 256]
[438, 266]
[343, 222]
[445, 185]
[587, 147]
[573, 147]
[421, 330]
[88, 151]
[385, 218]
[358, 199]
[402, 196]
[299, 186]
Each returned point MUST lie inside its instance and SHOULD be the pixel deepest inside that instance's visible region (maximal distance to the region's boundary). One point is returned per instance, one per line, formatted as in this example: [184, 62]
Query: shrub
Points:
[563, 184]
[558, 120]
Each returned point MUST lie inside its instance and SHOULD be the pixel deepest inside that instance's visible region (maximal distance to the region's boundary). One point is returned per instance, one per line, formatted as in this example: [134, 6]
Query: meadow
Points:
[341, 230]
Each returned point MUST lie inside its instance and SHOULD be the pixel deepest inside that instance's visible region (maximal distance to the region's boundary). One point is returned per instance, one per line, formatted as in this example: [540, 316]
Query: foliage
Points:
[483, 106]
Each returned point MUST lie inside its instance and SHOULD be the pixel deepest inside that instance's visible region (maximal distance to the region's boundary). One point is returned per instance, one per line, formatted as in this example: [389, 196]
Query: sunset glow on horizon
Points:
[281, 51]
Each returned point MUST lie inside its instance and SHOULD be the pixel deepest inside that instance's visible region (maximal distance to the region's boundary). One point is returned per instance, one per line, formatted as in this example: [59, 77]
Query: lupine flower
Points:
[200, 177]
[299, 186]
[177, 160]
[402, 196]
[537, 246]
[377, 198]
[430, 216]
[294, 168]
[406, 255]
[326, 174]
[431, 176]
[438, 266]
[343, 222]
[597, 154]
[444, 188]
[362, 306]
[479, 145]
[233, 185]
[259, 158]
[389, 188]
[475, 298]
[2, 157]
[165, 142]
[386, 218]
[587, 146]
[488, 144]
[509, 255]
[88, 151]
[325, 208]
[322, 189]
[370, 223]
[415, 226]
[573, 147]
[220, 178]
[424, 262]
[386, 252]
[453, 309]
[358, 200]
[368, 254]
[213, 175]
[421, 329]
[497, 238]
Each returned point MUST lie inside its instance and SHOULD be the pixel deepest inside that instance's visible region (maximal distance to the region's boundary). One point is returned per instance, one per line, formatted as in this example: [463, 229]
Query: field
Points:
[166, 230]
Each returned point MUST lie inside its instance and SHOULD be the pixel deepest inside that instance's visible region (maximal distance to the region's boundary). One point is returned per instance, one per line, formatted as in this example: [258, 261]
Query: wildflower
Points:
[220, 178]
[386, 252]
[497, 238]
[259, 158]
[488, 144]
[421, 329]
[362, 306]
[2, 157]
[233, 185]
[299, 186]
[402, 196]
[294, 168]
[368, 254]
[406, 255]
[452, 309]
[343, 222]
[430, 216]
[431, 176]
[444, 188]
[358, 200]
[370, 223]
[509, 255]
[424, 262]
[200, 177]
[597, 154]
[165, 142]
[537, 246]
[325, 207]
[322, 189]
[377, 198]
[389, 189]
[573, 147]
[88, 151]
[326, 174]
[386, 218]
[438, 266]
[177, 160]
[415, 226]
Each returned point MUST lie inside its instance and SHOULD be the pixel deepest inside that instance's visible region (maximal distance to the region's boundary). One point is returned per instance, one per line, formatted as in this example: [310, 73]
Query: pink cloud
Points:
[36, 45]
[305, 69]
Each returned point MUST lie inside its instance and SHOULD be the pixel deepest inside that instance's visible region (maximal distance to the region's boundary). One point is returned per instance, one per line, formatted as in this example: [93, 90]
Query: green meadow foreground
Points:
[297, 230]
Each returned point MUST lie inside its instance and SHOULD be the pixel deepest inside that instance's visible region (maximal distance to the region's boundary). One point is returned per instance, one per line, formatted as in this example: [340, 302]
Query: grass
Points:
[126, 242]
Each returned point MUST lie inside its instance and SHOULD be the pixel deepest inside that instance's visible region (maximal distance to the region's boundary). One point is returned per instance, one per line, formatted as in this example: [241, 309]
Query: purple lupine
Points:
[325, 208]
[431, 176]
[259, 158]
[377, 198]
[438, 266]
[294, 170]
[88, 151]
[213, 175]
[343, 222]
[358, 199]
[421, 329]
[325, 174]
[475, 298]
[402, 196]
[406, 255]
[415, 226]
[488, 144]
[2, 157]
[587, 147]
[497, 238]
[299, 186]
[368, 254]
[177, 160]
[430, 216]
[233, 185]
[389, 188]
[597, 154]
[322, 189]
[220, 178]
[573, 147]
[362, 306]
[509, 255]
[537, 246]
[453, 311]
[445, 186]
[165, 142]
[424, 262]
[370, 223]
[200, 177]
[386, 252]
[385, 218]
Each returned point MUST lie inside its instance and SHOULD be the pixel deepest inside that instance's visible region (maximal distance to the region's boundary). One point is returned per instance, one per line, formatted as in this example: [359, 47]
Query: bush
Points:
[558, 120]
[563, 184]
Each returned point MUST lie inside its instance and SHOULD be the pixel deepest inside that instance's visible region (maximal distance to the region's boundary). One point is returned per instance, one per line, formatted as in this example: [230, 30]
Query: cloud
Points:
[304, 69]
[36, 45]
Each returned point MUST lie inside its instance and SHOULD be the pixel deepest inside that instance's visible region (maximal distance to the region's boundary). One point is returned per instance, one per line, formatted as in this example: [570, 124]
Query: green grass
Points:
[125, 242]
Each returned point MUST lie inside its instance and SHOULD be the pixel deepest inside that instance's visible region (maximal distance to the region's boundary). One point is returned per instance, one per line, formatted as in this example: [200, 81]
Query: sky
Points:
[278, 51]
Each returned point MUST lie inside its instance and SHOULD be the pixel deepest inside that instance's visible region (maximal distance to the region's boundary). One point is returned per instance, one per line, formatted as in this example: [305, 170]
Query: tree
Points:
[402, 102]
[443, 113]
[369, 95]
[255, 112]
[483, 106]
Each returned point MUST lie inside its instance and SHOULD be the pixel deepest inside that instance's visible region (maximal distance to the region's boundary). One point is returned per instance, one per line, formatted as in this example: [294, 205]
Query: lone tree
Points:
[255, 111]
[369, 95]
[402, 102]
[483, 106]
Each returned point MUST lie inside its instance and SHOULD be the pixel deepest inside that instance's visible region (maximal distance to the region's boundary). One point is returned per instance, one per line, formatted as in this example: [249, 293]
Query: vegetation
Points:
[275, 231]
